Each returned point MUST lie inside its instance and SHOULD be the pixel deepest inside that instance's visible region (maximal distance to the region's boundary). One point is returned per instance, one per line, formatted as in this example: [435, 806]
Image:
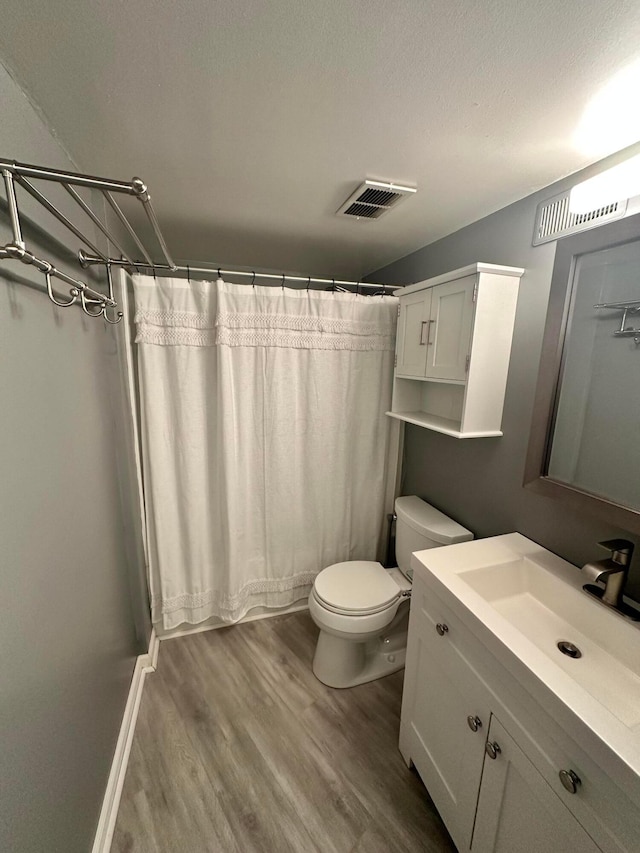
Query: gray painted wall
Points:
[479, 481]
[68, 634]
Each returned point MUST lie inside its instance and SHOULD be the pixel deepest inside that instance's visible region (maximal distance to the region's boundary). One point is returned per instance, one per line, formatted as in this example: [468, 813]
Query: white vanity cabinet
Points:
[452, 350]
[445, 717]
[517, 809]
[490, 758]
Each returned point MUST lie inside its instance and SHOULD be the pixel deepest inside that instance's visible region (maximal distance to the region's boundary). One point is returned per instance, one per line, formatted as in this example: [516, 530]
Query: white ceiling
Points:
[252, 121]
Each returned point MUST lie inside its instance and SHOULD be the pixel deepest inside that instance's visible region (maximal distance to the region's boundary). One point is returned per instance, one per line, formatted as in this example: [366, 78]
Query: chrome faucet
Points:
[613, 571]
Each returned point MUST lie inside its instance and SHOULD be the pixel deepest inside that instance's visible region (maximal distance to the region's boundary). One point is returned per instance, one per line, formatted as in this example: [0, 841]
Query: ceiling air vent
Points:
[554, 220]
[374, 198]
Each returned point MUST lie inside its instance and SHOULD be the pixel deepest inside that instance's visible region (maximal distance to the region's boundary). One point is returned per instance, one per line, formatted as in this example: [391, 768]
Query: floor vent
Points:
[554, 220]
[372, 199]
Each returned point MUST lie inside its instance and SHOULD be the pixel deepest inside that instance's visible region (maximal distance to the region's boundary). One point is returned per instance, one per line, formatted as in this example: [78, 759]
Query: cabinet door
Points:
[413, 327]
[442, 690]
[450, 324]
[518, 810]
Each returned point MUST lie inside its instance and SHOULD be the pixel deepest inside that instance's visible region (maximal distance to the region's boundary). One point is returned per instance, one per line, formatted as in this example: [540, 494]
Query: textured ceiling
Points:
[252, 121]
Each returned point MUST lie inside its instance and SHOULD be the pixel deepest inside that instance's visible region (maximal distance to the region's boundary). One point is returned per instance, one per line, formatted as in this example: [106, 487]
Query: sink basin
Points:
[547, 610]
[530, 600]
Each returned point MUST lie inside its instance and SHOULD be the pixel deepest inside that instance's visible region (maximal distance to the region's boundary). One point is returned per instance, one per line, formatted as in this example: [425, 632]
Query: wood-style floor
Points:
[239, 748]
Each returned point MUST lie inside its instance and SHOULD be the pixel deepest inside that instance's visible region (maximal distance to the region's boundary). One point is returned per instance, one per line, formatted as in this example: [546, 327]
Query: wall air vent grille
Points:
[554, 220]
[373, 198]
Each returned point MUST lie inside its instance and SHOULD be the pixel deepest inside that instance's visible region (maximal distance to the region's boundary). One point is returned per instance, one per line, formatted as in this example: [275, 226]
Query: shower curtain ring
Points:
[219, 273]
[308, 283]
[59, 302]
[188, 274]
[283, 281]
[253, 280]
[357, 288]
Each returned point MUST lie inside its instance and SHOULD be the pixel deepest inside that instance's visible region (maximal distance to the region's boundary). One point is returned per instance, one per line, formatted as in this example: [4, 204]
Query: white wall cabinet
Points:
[457, 700]
[452, 351]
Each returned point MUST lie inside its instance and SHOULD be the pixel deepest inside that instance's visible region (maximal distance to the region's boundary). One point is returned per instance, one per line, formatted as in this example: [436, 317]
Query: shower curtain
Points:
[264, 440]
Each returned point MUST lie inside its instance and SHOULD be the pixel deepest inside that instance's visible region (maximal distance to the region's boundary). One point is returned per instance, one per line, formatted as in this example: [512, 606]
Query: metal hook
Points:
[74, 292]
[219, 273]
[283, 282]
[384, 291]
[119, 316]
[357, 288]
[253, 280]
[83, 302]
[308, 283]
[188, 274]
[333, 286]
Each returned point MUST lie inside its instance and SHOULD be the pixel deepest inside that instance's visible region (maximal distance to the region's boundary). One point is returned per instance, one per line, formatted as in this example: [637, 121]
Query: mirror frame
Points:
[568, 250]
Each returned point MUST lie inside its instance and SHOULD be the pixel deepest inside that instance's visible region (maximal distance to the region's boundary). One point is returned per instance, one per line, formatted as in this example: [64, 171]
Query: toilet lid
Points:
[358, 586]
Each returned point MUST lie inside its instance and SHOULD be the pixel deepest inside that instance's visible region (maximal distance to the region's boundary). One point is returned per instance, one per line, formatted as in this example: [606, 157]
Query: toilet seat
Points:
[356, 588]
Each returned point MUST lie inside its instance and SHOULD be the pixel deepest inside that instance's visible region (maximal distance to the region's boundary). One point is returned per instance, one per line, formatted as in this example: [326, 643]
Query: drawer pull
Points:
[441, 628]
[492, 749]
[424, 325]
[570, 780]
[474, 723]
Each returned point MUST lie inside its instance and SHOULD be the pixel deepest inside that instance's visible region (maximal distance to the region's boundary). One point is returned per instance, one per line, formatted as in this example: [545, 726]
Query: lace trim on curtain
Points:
[257, 320]
[179, 328]
[230, 607]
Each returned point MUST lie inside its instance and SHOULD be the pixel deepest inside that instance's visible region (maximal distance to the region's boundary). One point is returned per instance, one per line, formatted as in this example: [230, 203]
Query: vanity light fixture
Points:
[615, 184]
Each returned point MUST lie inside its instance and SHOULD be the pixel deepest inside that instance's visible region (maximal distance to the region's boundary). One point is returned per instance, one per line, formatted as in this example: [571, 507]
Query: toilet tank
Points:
[419, 526]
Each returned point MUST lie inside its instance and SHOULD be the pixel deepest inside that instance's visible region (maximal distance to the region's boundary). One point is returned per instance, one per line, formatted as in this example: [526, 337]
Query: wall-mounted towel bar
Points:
[93, 302]
[631, 307]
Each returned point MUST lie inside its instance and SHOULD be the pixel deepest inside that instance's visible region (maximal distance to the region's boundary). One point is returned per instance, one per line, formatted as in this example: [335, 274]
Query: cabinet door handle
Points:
[474, 723]
[429, 341]
[492, 749]
[570, 780]
[441, 628]
[422, 327]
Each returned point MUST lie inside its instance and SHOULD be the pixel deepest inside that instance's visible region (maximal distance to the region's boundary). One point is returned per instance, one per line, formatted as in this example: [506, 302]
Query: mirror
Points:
[584, 446]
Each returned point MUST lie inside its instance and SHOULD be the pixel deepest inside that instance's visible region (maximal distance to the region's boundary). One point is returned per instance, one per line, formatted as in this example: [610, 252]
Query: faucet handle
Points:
[621, 550]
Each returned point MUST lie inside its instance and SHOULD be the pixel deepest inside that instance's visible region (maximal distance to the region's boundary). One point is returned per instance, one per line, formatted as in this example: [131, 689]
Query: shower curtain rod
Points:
[87, 260]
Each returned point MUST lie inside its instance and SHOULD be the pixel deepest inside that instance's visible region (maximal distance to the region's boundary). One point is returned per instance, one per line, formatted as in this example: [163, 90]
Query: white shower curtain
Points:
[264, 440]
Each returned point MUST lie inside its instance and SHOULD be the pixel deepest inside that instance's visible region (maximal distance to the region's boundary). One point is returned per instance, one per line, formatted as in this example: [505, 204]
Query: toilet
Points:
[362, 609]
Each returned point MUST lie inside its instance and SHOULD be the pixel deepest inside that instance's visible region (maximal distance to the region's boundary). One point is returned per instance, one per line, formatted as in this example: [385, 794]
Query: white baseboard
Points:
[212, 624]
[107, 823]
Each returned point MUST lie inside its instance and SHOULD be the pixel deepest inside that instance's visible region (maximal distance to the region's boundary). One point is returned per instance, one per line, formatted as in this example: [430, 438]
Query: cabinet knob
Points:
[441, 628]
[474, 723]
[570, 780]
[492, 749]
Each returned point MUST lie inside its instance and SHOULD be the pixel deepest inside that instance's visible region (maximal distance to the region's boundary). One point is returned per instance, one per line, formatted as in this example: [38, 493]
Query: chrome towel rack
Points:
[631, 307]
[93, 302]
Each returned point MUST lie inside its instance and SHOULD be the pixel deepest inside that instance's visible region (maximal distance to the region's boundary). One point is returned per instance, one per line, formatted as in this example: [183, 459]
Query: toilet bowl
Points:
[362, 609]
[362, 637]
